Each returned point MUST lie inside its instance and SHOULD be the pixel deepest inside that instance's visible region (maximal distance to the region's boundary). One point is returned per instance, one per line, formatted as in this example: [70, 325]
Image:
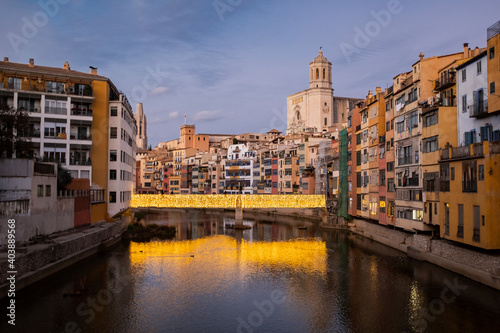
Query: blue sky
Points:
[230, 64]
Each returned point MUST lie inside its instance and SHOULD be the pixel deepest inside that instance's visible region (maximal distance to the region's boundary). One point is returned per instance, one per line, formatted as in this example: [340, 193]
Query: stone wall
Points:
[475, 264]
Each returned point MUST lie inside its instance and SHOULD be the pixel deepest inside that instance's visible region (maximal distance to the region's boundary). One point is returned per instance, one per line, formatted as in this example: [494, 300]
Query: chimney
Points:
[93, 70]
[378, 90]
[32, 62]
[66, 65]
[421, 56]
[5, 59]
[370, 94]
[466, 50]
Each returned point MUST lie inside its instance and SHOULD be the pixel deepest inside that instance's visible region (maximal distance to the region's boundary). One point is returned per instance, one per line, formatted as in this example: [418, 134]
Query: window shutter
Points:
[483, 133]
[467, 138]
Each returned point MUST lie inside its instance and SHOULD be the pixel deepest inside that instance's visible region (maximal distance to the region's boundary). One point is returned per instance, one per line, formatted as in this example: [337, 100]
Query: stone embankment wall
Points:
[477, 265]
[37, 261]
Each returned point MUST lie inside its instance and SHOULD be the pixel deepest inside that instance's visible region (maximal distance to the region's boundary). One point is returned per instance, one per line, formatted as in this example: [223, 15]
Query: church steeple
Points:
[321, 72]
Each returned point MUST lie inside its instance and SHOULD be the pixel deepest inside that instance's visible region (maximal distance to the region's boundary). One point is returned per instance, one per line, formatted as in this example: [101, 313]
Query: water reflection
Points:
[215, 279]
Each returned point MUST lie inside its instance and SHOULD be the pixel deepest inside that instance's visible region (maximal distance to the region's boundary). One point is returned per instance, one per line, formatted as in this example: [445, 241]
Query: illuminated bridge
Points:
[230, 201]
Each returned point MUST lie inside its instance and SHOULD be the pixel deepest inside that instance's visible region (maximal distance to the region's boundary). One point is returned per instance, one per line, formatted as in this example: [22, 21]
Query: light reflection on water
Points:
[282, 275]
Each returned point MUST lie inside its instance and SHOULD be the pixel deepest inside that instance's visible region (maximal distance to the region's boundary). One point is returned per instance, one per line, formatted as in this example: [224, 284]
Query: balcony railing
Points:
[74, 136]
[80, 112]
[55, 110]
[444, 82]
[476, 235]
[75, 161]
[469, 186]
[478, 109]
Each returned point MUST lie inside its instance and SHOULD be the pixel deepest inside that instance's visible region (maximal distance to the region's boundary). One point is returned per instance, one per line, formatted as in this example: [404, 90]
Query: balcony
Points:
[462, 152]
[34, 134]
[469, 186]
[76, 136]
[479, 109]
[445, 82]
[80, 161]
[81, 112]
[476, 235]
[55, 110]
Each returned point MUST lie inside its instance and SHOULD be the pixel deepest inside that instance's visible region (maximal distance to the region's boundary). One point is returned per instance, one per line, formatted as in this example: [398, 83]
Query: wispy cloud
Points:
[173, 115]
[159, 91]
[208, 115]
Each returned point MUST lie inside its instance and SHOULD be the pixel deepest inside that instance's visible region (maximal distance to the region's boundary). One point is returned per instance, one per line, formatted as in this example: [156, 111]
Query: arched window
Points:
[324, 73]
[317, 74]
[297, 115]
[326, 121]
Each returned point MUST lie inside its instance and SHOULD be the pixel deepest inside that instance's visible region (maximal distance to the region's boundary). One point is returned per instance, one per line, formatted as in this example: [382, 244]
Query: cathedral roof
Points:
[320, 58]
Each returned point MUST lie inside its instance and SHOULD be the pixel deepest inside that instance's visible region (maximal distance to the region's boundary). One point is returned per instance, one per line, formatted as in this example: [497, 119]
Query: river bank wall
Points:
[478, 265]
[34, 262]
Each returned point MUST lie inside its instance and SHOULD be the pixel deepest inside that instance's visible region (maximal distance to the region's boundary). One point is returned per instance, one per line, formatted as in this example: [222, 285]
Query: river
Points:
[282, 275]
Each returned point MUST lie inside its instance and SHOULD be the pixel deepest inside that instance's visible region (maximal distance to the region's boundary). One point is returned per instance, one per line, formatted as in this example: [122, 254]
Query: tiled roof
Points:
[44, 70]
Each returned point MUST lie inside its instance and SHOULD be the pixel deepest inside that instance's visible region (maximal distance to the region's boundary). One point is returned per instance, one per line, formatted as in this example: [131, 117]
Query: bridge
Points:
[230, 201]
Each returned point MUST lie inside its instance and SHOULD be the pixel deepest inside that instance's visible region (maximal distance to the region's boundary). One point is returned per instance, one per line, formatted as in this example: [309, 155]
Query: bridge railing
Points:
[227, 201]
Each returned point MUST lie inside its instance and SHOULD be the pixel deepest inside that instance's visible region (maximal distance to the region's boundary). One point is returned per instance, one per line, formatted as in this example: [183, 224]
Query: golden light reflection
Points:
[226, 201]
[225, 254]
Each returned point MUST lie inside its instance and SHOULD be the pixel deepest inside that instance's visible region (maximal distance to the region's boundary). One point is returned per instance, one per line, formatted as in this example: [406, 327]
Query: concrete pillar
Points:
[238, 217]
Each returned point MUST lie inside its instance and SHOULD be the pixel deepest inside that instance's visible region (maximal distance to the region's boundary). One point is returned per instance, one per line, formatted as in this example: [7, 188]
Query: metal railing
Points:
[469, 186]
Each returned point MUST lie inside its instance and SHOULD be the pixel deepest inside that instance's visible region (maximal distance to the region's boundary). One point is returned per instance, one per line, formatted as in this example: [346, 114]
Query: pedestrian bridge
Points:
[237, 201]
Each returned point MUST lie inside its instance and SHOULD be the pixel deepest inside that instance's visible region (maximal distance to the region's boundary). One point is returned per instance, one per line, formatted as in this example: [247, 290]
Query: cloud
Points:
[173, 115]
[207, 115]
[158, 91]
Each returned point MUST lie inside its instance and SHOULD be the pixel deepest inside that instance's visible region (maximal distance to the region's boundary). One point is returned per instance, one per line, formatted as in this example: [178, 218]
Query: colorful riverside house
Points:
[364, 200]
[493, 47]
[73, 122]
[412, 91]
[390, 196]
[376, 169]
[352, 163]
[470, 194]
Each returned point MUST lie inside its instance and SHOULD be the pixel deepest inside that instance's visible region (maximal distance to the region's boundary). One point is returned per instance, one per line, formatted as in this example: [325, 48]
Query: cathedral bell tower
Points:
[321, 72]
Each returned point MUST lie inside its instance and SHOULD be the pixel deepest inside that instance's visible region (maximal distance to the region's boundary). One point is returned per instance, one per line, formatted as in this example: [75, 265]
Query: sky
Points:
[229, 65]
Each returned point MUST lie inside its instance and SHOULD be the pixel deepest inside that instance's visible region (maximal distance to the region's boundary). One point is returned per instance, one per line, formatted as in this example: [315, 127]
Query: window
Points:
[464, 74]
[430, 144]
[452, 173]
[113, 133]
[358, 179]
[413, 120]
[492, 52]
[112, 155]
[480, 170]
[48, 189]
[479, 67]
[358, 138]
[382, 177]
[464, 103]
[430, 119]
[390, 166]
[405, 155]
[112, 196]
[460, 231]
[492, 87]
[39, 191]
[400, 126]
[358, 157]
[114, 111]
[112, 174]
[447, 219]
[358, 201]
[326, 121]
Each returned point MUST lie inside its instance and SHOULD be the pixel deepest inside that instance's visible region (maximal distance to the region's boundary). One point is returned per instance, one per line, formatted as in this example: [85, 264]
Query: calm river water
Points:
[282, 275]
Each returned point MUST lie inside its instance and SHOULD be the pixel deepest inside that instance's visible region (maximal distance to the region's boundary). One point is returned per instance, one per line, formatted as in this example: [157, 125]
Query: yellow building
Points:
[69, 121]
[470, 194]
[493, 47]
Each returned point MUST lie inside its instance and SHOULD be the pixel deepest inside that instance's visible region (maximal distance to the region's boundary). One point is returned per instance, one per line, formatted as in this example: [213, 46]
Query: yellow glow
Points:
[227, 201]
[226, 254]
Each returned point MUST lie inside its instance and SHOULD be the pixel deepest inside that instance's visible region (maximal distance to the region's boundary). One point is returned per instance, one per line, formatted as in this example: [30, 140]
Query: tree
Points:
[235, 141]
[63, 177]
[14, 133]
